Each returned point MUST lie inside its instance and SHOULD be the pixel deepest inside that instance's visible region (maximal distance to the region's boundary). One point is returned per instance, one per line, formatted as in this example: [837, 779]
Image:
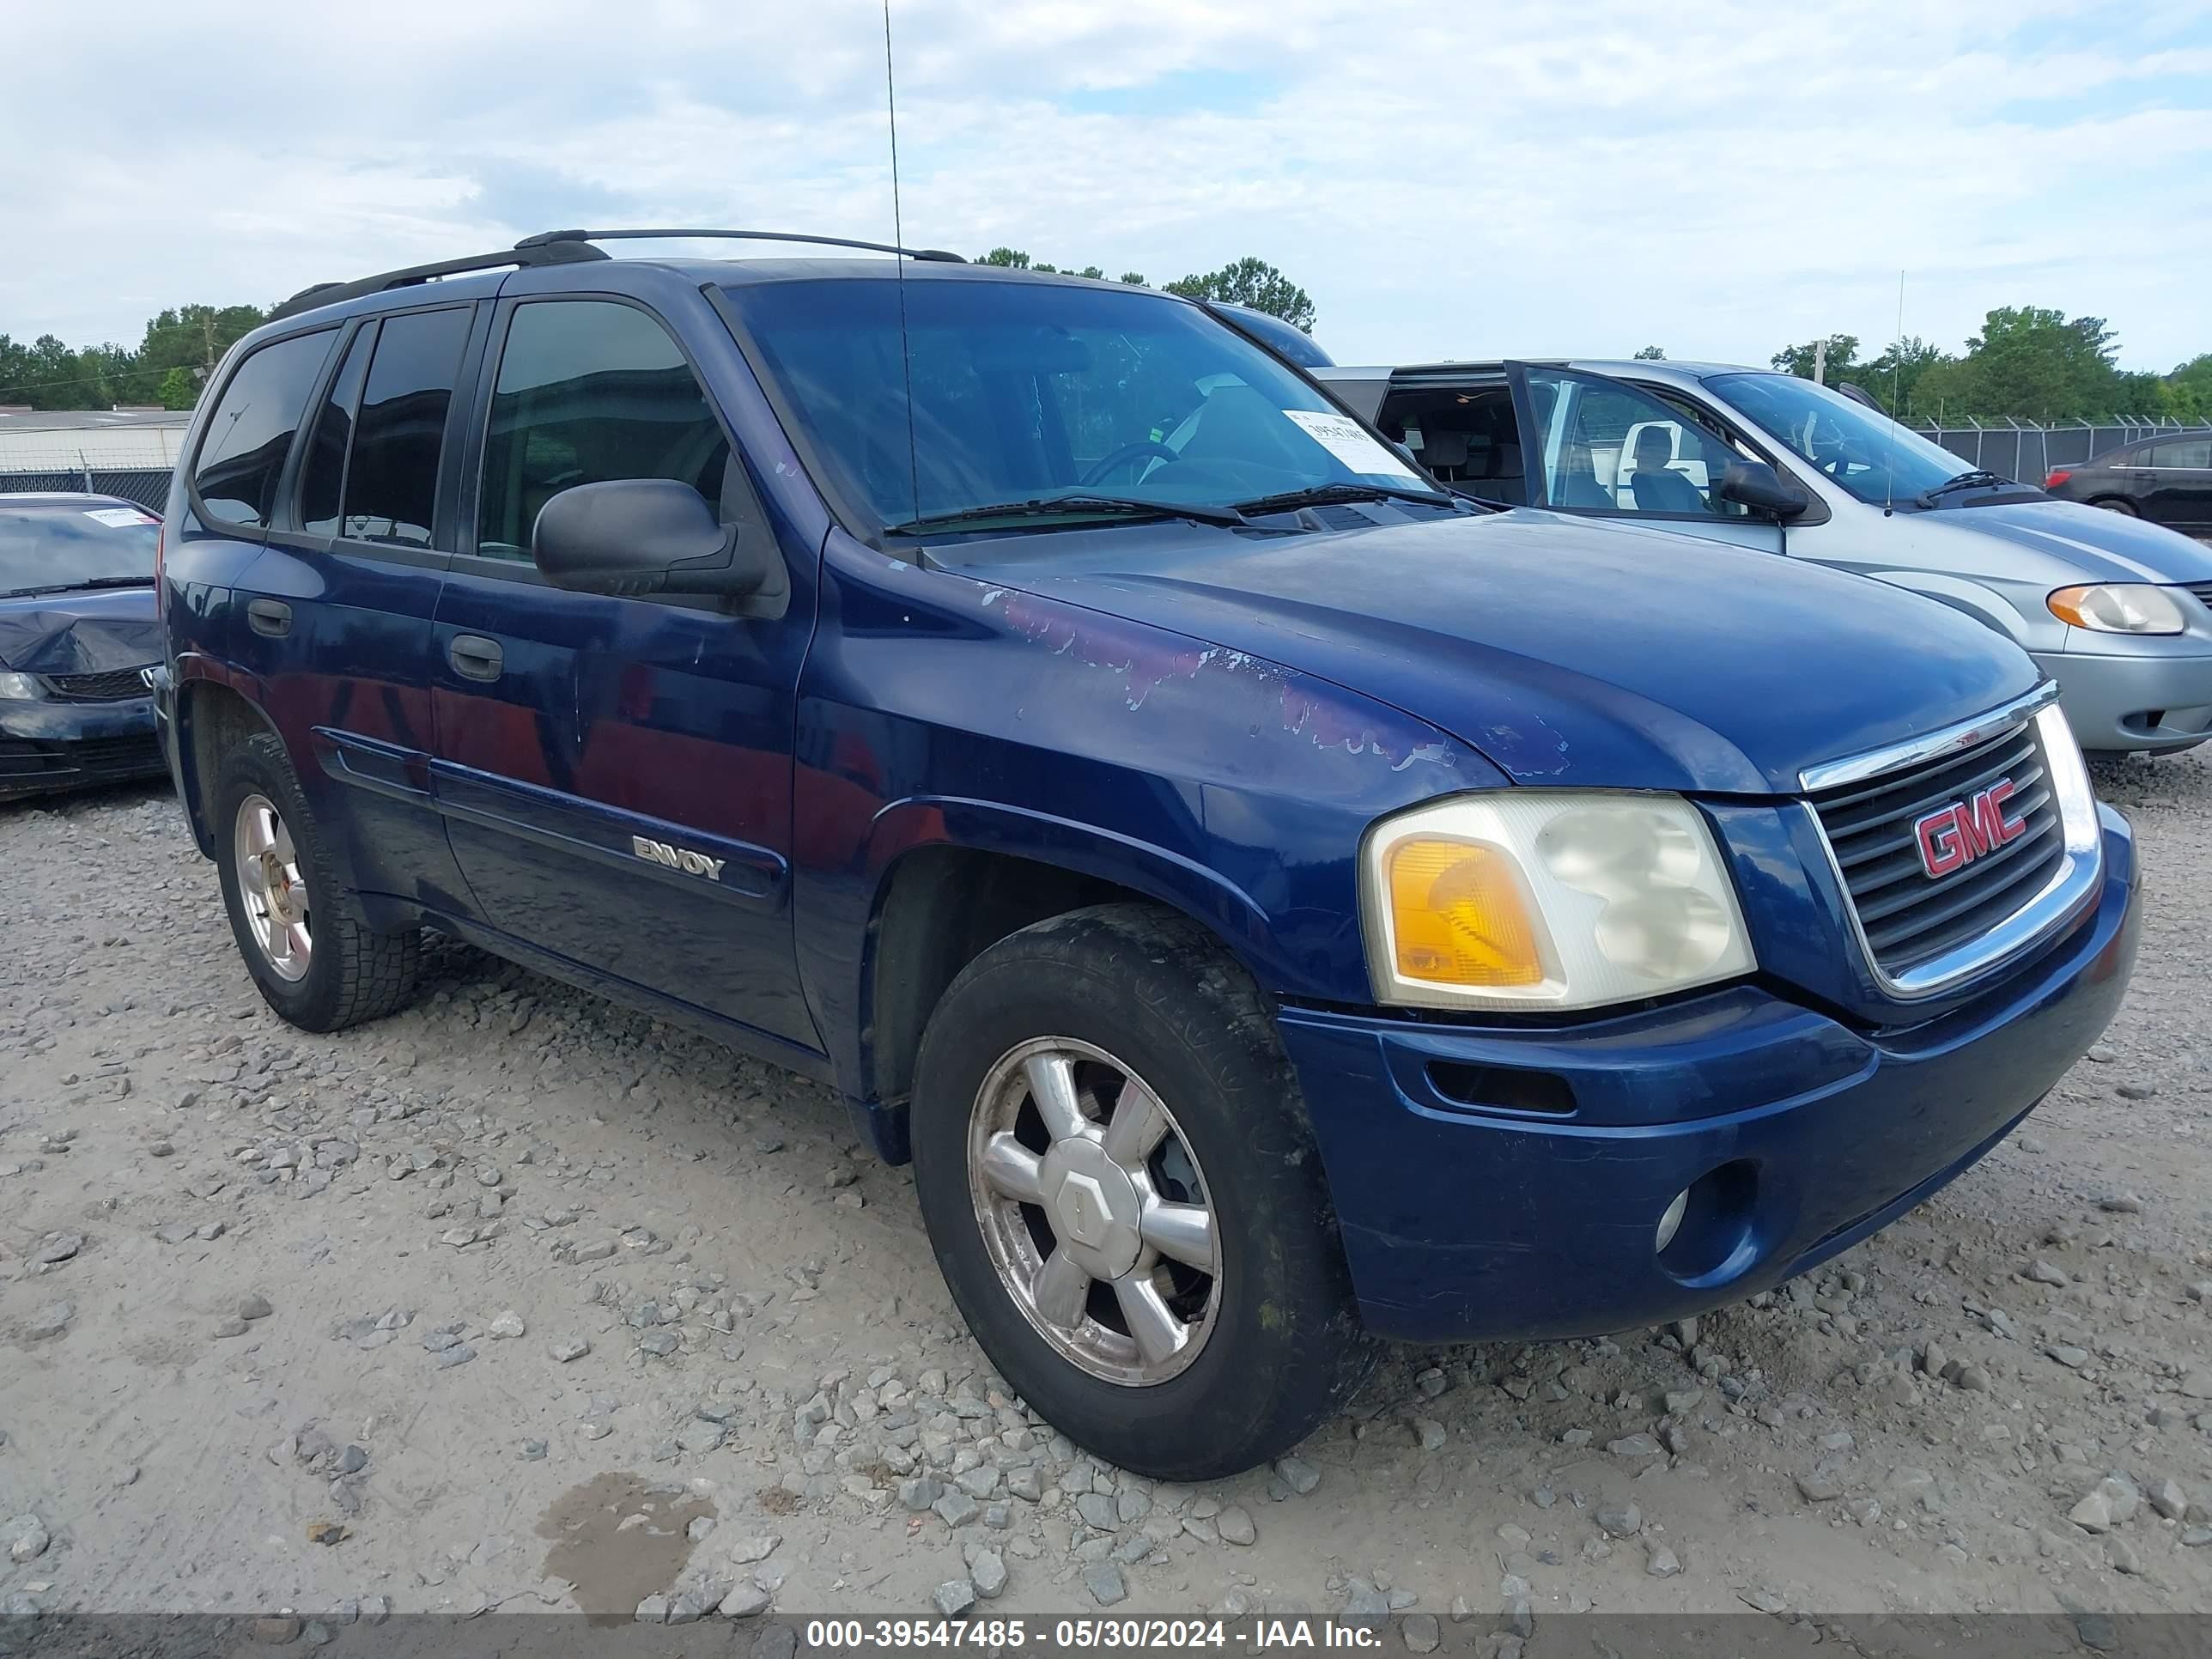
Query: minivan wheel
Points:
[312, 955]
[2114, 504]
[1118, 1180]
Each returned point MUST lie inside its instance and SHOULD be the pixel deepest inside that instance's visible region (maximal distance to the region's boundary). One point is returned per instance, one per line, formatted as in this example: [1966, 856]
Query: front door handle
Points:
[474, 657]
[273, 618]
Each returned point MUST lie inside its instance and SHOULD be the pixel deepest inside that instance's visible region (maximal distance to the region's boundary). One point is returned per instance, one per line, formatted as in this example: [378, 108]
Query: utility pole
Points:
[1820, 362]
[207, 334]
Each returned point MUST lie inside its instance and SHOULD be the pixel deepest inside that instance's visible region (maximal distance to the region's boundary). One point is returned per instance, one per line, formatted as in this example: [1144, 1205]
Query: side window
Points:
[391, 480]
[1607, 447]
[589, 390]
[251, 431]
[2196, 455]
[323, 478]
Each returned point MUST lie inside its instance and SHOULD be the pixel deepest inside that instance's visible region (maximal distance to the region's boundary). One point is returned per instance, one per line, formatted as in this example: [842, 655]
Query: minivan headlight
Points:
[2118, 607]
[20, 688]
[1542, 899]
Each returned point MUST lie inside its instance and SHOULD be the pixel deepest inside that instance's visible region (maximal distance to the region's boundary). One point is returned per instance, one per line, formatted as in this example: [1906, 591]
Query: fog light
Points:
[1671, 1223]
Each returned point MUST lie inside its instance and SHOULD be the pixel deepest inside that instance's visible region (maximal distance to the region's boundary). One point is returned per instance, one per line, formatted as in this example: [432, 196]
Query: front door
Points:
[615, 772]
[1593, 445]
[2173, 479]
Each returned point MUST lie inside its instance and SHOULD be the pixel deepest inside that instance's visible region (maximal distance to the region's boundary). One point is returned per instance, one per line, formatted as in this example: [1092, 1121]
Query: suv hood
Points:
[2101, 546]
[1569, 653]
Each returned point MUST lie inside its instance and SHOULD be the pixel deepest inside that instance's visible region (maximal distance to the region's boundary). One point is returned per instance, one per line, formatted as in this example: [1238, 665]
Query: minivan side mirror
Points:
[1758, 486]
[633, 536]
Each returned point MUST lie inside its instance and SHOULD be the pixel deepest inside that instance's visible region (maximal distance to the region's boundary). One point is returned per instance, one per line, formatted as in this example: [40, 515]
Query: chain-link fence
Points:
[125, 453]
[2027, 451]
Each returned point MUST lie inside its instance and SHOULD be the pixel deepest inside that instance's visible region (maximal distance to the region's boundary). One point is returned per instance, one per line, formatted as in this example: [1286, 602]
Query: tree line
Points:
[2028, 363]
[182, 346]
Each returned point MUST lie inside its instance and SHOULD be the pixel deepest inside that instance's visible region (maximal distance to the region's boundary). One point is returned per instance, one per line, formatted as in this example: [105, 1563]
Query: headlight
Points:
[1547, 900]
[2118, 607]
[22, 688]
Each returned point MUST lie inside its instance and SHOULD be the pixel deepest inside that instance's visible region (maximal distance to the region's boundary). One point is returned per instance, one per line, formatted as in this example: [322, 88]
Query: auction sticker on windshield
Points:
[1344, 438]
[115, 518]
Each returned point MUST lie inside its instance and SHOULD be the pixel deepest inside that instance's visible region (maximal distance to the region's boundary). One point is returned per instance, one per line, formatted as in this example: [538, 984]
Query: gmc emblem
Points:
[1954, 836]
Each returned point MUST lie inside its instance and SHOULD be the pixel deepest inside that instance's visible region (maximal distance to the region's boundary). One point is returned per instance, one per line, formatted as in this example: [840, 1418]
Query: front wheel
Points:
[1123, 1189]
[2114, 504]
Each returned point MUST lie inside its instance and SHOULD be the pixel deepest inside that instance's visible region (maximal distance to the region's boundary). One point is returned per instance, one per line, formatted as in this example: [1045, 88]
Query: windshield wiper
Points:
[1977, 478]
[77, 588]
[1115, 506]
[1327, 494]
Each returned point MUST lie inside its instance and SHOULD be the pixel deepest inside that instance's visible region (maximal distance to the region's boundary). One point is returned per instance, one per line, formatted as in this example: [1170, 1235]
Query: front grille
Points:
[1908, 917]
[2203, 591]
[114, 686]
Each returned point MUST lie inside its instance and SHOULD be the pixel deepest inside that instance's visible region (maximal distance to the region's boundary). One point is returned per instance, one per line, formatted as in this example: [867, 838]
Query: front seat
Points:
[1665, 492]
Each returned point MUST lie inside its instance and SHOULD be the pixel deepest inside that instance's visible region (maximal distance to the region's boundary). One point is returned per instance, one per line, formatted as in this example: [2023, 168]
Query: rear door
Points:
[2174, 479]
[1593, 445]
[617, 773]
[337, 612]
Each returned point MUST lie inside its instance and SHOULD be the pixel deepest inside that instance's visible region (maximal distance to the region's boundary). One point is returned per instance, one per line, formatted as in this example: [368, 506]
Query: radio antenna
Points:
[898, 236]
[1896, 394]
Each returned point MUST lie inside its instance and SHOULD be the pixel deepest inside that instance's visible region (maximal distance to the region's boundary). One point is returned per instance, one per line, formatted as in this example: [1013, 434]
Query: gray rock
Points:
[1625, 1522]
[2067, 1355]
[2121, 1204]
[459, 1354]
[2167, 1499]
[27, 1538]
[2042, 1272]
[1430, 1433]
[508, 1325]
[747, 1550]
[2135, 1090]
[1026, 1483]
[255, 1307]
[979, 1482]
[653, 1610]
[698, 1436]
[1104, 1581]
[1300, 1476]
[1761, 1599]
[1662, 1563]
[917, 1494]
[1421, 1633]
[746, 1600]
[987, 1570]
[2108, 1505]
[957, 1509]
[1633, 1445]
[574, 1348]
[1818, 1488]
[49, 1321]
[1234, 1525]
[659, 1344]
[1097, 1509]
[953, 1597]
[2122, 1555]
[59, 1249]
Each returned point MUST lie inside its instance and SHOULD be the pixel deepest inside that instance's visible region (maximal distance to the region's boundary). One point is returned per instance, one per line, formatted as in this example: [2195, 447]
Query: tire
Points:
[1274, 1346]
[346, 972]
[2114, 504]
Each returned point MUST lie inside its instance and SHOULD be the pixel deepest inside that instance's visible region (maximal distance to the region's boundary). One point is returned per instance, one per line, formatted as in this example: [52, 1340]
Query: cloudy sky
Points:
[1476, 178]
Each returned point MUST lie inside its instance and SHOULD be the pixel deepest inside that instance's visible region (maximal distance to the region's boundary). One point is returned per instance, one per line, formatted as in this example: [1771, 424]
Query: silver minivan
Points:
[2117, 611]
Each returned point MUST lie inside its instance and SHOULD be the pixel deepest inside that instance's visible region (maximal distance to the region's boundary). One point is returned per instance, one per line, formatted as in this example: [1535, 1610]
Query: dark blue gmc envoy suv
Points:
[1277, 903]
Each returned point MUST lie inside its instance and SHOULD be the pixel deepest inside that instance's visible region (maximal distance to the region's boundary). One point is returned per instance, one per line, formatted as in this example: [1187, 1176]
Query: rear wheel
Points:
[1121, 1188]
[2115, 504]
[312, 955]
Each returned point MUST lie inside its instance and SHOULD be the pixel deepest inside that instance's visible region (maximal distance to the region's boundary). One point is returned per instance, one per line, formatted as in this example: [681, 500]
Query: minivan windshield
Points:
[1026, 394]
[52, 548]
[1876, 458]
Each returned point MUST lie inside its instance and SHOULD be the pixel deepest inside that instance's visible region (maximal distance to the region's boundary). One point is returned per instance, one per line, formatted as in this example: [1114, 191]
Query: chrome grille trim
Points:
[2070, 887]
[1915, 751]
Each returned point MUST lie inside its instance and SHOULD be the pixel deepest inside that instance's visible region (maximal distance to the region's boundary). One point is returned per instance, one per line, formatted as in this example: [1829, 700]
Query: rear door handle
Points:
[270, 616]
[474, 657]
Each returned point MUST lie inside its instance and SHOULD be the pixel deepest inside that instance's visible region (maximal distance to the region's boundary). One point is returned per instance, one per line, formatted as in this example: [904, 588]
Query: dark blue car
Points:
[1275, 902]
[78, 637]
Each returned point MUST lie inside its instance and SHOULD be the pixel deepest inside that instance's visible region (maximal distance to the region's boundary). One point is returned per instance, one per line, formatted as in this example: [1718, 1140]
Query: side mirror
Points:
[645, 536]
[1758, 486]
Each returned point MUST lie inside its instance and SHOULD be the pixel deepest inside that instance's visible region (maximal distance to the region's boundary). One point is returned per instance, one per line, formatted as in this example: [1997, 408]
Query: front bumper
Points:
[2154, 694]
[1799, 1135]
[46, 746]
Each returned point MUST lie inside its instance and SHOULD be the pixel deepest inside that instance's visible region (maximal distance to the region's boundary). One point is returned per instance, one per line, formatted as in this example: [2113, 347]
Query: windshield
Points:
[1874, 458]
[101, 542]
[1025, 391]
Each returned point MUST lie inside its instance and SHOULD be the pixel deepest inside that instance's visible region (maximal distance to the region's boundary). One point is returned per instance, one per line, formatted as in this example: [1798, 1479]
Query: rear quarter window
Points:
[241, 455]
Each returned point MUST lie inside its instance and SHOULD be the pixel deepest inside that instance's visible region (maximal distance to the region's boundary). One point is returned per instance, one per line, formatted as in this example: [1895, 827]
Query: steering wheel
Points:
[1126, 453]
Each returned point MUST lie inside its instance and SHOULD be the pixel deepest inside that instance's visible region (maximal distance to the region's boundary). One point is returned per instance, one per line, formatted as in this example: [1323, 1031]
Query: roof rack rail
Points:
[534, 253]
[569, 237]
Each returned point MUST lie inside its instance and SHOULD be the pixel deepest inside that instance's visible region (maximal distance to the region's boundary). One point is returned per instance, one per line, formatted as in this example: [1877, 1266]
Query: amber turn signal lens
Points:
[1457, 916]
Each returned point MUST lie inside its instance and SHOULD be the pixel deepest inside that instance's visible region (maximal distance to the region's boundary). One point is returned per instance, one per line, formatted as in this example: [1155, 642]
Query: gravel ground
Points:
[519, 1300]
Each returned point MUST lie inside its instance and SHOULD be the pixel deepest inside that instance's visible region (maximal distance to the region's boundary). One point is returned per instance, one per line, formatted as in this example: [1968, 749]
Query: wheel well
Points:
[212, 719]
[945, 907]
